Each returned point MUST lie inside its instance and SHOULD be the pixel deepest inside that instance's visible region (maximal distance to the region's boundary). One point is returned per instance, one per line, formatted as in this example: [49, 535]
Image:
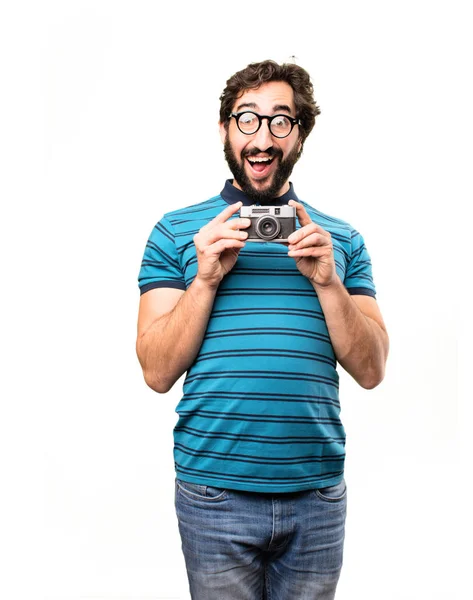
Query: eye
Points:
[280, 121]
[247, 119]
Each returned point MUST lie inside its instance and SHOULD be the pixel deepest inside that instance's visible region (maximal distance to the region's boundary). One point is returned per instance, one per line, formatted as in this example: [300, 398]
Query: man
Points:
[259, 327]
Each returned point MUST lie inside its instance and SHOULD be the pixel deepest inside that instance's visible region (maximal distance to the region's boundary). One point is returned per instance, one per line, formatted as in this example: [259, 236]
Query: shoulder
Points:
[195, 212]
[340, 230]
[191, 218]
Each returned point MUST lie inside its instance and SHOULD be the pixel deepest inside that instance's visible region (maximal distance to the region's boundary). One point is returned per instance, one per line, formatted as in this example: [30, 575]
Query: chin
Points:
[262, 184]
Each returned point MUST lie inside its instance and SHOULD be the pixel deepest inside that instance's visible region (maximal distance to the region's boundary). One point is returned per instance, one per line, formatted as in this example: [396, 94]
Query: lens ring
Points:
[273, 126]
[245, 127]
[267, 227]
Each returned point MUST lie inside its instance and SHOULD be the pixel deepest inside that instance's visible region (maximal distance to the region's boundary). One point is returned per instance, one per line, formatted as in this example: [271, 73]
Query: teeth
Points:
[259, 159]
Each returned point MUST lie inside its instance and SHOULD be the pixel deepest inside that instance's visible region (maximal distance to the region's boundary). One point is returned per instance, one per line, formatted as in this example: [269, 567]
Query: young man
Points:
[259, 328]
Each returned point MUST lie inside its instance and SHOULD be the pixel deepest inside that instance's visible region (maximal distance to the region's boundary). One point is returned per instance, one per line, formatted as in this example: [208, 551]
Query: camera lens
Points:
[267, 228]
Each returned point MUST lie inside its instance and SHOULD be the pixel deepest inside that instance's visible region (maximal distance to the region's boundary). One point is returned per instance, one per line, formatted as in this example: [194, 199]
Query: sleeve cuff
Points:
[177, 285]
[359, 291]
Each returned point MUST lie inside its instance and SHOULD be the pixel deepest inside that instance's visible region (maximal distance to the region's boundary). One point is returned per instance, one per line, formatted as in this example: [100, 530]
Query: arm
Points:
[171, 327]
[354, 323]
[357, 332]
[172, 323]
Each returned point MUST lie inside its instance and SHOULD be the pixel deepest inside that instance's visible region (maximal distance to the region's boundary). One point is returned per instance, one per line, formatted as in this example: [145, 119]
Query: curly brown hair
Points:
[255, 74]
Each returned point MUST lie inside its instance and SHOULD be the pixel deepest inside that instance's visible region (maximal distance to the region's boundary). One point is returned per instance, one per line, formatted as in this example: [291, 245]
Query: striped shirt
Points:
[260, 410]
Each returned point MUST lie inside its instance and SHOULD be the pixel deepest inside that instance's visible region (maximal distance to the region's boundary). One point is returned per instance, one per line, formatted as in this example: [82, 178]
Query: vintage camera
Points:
[269, 223]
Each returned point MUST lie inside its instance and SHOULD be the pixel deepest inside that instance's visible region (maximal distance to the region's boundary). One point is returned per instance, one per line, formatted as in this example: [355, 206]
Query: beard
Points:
[279, 177]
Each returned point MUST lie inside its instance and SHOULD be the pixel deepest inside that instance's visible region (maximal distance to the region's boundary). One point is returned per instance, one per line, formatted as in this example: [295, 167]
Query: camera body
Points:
[269, 223]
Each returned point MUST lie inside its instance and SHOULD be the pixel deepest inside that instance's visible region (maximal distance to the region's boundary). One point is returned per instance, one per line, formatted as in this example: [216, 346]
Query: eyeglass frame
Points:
[260, 118]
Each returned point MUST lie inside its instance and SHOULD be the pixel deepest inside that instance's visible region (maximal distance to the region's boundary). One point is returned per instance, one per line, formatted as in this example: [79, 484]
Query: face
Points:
[262, 181]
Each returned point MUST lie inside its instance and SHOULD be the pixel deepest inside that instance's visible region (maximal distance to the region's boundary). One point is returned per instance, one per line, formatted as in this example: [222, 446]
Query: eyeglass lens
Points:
[278, 125]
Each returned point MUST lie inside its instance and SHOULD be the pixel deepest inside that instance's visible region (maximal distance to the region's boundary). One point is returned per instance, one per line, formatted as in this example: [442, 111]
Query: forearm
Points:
[169, 346]
[360, 344]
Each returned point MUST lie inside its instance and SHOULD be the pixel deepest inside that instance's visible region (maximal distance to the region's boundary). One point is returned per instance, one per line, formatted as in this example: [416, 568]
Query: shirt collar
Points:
[232, 194]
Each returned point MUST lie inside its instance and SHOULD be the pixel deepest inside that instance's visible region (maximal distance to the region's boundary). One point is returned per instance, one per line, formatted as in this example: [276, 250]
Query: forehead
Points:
[269, 98]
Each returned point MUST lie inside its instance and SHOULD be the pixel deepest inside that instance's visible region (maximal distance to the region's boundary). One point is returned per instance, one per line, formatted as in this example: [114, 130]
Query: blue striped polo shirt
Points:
[260, 409]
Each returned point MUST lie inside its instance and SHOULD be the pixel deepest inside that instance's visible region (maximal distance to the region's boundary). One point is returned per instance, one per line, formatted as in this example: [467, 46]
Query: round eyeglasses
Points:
[279, 125]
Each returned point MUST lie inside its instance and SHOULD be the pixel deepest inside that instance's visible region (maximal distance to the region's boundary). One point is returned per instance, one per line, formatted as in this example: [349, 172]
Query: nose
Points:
[263, 138]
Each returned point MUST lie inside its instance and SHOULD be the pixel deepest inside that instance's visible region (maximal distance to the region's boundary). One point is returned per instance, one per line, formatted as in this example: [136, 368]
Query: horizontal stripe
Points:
[182, 249]
[190, 233]
[250, 478]
[153, 263]
[282, 331]
[233, 457]
[357, 253]
[167, 258]
[248, 375]
[192, 260]
[245, 396]
[160, 227]
[360, 276]
[281, 254]
[262, 439]
[212, 203]
[265, 292]
[267, 272]
[340, 238]
[255, 418]
[278, 353]
[320, 215]
[208, 205]
[265, 310]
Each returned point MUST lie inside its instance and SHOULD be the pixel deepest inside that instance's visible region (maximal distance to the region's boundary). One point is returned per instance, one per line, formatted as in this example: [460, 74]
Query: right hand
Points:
[218, 244]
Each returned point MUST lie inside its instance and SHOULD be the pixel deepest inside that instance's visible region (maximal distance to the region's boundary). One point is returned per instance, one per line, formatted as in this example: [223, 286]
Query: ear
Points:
[223, 132]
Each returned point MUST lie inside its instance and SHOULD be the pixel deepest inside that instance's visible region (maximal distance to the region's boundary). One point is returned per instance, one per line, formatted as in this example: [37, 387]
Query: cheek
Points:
[238, 147]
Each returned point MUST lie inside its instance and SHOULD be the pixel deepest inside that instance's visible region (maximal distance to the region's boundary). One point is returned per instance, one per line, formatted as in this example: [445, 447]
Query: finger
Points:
[224, 233]
[301, 212]
[238, 223]
[226, 226]
[227, 213]
[301, 233]
[313, 251]
[314, 239]
[218, 247]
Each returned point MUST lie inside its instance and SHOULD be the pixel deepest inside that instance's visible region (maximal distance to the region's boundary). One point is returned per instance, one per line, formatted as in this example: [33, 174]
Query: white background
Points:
[108, 119]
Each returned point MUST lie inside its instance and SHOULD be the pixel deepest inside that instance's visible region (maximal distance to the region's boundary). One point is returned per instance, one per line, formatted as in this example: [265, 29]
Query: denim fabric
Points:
[261, 546]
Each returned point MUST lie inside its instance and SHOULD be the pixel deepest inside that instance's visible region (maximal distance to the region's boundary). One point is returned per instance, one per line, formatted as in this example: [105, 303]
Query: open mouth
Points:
[260, 164]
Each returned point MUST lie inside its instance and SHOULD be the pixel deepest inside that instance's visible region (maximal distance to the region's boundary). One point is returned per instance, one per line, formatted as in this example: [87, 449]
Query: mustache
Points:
[271, 152]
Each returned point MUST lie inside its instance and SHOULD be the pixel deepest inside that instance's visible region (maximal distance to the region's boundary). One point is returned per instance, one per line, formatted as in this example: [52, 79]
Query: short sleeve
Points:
[160, 266]
[359, 276]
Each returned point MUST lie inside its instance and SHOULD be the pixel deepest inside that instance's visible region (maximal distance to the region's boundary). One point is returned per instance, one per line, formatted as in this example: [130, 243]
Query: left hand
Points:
[311, 246]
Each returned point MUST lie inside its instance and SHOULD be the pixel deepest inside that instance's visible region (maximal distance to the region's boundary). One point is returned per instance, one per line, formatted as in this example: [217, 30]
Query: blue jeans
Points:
[254, 546]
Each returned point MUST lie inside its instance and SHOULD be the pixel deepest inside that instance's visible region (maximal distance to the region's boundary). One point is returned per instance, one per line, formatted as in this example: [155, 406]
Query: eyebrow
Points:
[276, 107]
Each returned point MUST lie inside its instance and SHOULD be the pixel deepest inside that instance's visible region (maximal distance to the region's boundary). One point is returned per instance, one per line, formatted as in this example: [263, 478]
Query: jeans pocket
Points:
[333, 493]
[197, 491]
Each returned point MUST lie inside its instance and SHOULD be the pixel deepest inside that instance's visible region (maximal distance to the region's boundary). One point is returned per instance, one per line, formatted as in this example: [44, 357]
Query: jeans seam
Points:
[268, 586]
[331, 499]
[185, 491]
